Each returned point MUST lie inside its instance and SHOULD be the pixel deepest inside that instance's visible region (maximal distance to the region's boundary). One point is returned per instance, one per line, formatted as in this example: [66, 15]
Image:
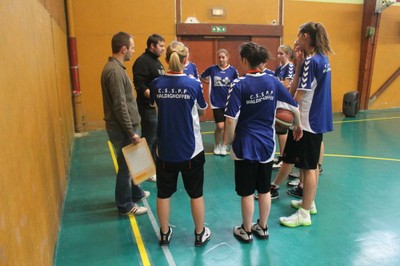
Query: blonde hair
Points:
[223, 51]
[175, 56]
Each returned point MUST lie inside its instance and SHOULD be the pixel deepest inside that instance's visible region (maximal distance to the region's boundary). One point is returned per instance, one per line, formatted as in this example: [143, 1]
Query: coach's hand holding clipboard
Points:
[139, 160]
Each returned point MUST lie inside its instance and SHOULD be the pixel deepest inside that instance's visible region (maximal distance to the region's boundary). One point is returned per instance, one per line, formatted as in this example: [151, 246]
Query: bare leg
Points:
[163, 210]
[264, 207]
[247, 212]
[309, 187]
[219, 129]
[321, 153]
[282, 142]
[283, 173]
[197, 206]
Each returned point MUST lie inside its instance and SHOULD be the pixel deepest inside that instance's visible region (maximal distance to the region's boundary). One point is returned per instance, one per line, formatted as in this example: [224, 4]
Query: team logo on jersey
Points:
[259, 97]
[221, 82]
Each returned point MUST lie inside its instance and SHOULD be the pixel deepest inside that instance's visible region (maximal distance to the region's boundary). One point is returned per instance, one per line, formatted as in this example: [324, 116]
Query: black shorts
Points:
[219, 115]
[192, 176]
[280, 130]
[251, 176]
[304, 154]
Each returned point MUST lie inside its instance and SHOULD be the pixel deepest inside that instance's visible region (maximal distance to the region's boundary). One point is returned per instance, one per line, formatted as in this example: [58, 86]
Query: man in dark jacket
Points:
[146, 68]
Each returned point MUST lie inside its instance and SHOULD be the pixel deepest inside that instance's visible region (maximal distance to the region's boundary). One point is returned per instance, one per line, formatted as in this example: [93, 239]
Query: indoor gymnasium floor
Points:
[357, 221]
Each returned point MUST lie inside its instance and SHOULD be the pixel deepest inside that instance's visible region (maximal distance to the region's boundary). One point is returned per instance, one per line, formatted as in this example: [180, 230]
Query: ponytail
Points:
[318, 36]
[176, 55]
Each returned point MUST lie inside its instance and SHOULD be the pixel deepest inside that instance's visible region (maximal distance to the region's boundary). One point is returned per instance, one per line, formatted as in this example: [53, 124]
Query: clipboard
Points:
[139, 161]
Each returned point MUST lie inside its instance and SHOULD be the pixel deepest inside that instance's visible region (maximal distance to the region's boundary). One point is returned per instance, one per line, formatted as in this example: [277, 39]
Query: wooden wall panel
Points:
[36, 132]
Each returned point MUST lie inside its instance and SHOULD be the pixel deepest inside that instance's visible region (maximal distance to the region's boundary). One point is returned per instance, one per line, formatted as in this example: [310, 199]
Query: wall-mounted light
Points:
[217, 12]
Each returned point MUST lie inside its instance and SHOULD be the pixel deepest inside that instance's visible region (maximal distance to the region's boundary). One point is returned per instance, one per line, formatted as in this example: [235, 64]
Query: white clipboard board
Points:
[139, 161]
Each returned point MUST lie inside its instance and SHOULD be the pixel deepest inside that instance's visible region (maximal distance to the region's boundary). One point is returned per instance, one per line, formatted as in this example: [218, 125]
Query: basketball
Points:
[284, 117]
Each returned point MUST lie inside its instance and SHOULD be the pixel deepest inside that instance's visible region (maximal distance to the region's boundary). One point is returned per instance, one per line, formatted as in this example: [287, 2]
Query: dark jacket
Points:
[146, 68]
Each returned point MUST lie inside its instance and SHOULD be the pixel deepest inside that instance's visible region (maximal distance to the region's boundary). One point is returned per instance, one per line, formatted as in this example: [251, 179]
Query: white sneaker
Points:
[136, 210]
[146, 195]
[224, 150]
[297, 205]
[260, 232]
[294, 174]
[301, 217]
[203, 237]
[217, 149]
[293, 183]
[152, 178]
[277, 165]
[242, 235]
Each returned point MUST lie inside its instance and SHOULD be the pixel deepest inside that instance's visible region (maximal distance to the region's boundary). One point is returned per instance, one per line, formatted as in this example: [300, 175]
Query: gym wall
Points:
[96, 22]
[36, 129]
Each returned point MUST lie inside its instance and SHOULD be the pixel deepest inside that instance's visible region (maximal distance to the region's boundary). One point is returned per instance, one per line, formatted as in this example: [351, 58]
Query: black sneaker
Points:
[274, 192]
[242, 235]
[296, 191]
[320, 169]
[203, 237]
[165, 238]
[260, 232]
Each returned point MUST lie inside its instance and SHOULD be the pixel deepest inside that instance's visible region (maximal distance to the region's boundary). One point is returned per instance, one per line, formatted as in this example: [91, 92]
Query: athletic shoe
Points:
[294, 174]
[242, 235]
[136, 210]
[294, 182]
[296, 191]
[152, 178]
[203, 237]
[274, 192]
[165, 238]
[217, 149]
[320, 168]
[297, 205]
[223, 150]
[260, 232]
[277, 163]
[145, 196]
[299, 218]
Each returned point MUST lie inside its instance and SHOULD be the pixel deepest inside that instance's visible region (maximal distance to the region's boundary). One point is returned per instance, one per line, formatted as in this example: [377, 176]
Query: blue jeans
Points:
[126, 193]
[149, 127]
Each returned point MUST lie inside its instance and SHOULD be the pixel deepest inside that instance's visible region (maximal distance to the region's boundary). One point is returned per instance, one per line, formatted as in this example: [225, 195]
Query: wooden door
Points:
[203, 52]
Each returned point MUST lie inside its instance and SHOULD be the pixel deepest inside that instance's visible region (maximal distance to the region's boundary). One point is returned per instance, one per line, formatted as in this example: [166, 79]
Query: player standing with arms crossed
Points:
[312, 89]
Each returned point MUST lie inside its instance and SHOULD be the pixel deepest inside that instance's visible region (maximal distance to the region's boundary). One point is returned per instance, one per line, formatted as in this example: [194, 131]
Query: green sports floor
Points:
[358, 220]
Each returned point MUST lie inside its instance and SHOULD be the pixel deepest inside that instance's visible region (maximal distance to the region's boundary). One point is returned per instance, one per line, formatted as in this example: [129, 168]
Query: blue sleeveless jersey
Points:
[253, 99]
[178, 97]
[220, 81]
[316, 106]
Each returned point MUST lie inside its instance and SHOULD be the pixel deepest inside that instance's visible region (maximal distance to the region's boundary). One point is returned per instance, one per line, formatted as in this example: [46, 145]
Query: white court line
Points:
[156, 229]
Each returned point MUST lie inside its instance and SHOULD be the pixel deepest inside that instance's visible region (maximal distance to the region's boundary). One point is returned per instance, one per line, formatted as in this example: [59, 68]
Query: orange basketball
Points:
[284, 117]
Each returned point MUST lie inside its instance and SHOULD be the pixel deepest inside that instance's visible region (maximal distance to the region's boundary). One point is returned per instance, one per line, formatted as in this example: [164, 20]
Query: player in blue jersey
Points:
[250, 121]
[190, 68]
[285, 73]
[219, 77]
[180, 101]
[312, 88]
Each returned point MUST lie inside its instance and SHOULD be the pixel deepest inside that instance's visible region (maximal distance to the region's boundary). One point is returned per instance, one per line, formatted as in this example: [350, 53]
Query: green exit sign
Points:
[218, 28]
